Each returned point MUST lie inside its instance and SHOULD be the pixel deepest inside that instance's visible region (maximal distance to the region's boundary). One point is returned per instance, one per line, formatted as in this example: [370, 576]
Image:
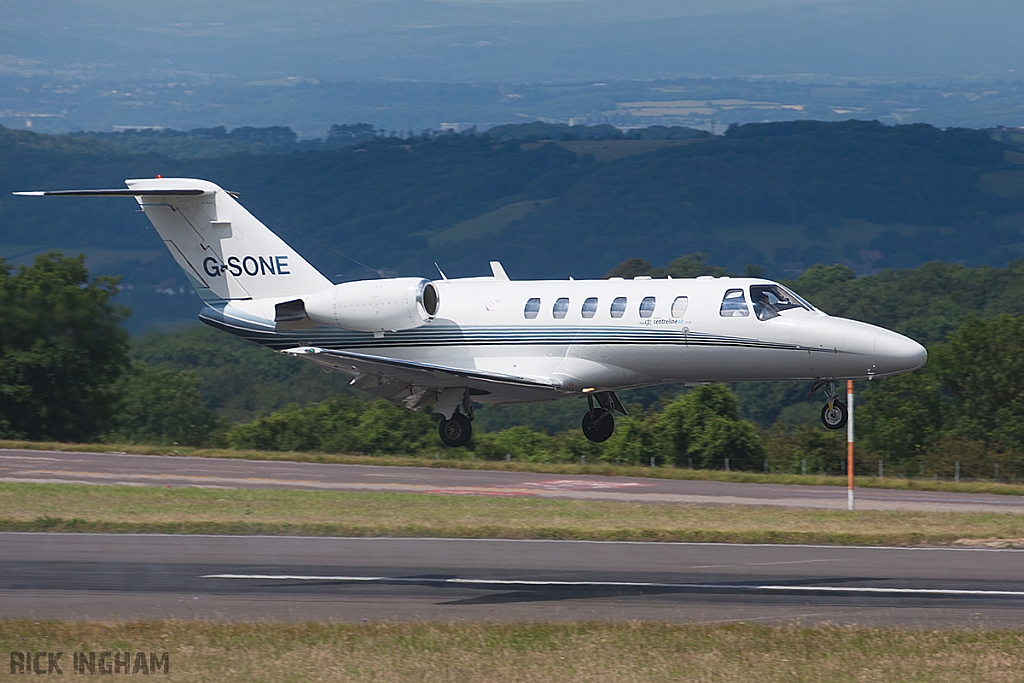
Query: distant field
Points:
[1007, 184]
[831, 233]
[132, 509]
[567, 652]
[488, 223]
[613, 150]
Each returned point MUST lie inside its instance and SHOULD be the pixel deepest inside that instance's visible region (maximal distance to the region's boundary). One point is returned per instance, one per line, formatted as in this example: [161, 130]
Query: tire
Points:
[598, 426]
[456, 431]
[836, 416]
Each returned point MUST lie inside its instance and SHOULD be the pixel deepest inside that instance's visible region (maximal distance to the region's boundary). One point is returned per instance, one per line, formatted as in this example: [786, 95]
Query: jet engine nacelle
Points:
[375, 305]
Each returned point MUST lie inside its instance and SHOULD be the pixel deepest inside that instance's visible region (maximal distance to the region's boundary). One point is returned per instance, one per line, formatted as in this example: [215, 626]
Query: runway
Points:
[144, 470]
[229, 578]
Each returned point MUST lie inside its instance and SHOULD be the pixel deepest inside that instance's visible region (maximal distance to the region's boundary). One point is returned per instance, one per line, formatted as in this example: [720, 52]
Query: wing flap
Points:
[380, 375]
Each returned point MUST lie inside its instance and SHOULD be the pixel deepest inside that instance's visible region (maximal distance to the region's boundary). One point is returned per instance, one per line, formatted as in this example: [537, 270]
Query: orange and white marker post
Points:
[849, 444]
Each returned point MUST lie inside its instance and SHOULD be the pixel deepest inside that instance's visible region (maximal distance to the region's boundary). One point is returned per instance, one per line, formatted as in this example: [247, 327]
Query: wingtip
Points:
[30, 194]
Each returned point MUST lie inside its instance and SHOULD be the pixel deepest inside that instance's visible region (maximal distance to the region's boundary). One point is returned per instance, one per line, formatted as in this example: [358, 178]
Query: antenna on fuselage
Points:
[443, 276]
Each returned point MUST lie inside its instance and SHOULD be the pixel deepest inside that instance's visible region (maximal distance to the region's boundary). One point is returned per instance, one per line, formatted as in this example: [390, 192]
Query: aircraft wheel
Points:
[834, 415]
[456, 431]
[598, 425]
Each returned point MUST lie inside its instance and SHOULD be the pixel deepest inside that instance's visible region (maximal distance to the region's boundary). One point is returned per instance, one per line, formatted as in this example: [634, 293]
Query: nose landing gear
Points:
[598, 422]
[833, 414]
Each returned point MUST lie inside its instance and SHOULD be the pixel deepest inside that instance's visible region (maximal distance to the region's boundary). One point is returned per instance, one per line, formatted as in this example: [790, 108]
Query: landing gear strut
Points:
[455, 432]
[833, 414]
[598, 422]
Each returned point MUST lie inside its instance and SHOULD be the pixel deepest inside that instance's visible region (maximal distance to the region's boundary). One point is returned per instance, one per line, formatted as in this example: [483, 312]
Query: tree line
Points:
[69, 372]
[784, 196]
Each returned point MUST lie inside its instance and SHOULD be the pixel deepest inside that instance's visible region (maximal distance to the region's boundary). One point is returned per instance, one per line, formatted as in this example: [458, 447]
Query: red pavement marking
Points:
[464, 492]
[580, 485]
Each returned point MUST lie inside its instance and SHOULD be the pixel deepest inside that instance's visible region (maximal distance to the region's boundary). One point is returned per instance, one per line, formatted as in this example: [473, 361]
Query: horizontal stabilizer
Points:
[169, 192]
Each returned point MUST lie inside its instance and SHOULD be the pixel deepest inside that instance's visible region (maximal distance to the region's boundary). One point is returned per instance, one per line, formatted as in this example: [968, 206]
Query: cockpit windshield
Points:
[770, 300]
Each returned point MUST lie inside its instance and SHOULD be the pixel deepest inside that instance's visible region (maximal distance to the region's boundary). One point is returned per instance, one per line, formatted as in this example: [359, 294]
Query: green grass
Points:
[602, 469]
[133, 509]
[564, 652]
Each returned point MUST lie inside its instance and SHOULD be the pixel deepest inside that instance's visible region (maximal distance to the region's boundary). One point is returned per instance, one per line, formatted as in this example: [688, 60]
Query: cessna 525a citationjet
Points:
[447, 343]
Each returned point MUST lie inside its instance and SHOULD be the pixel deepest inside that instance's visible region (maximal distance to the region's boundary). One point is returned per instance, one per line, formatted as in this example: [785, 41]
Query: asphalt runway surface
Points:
[147, 470]
[99, 576]
[232, 578]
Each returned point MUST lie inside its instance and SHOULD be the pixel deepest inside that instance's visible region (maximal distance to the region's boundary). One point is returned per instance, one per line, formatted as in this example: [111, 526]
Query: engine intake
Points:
[387, 305]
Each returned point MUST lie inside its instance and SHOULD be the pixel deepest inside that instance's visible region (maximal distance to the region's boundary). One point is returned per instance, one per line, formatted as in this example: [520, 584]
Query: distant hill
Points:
[779, 196]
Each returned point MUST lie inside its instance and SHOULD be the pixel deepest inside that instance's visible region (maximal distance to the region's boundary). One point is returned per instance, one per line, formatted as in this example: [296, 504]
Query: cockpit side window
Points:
[734, 304]
[796, 297]
[532, 308]
[770, 300]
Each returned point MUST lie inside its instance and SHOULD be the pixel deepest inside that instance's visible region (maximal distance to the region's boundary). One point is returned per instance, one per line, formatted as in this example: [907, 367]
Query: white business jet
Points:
[447, 343]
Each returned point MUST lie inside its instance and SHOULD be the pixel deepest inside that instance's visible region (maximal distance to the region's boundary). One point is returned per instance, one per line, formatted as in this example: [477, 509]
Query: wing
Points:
[412, 383]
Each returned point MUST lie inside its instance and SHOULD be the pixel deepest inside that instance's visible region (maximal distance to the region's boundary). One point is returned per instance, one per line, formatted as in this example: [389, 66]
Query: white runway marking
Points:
[623, 584]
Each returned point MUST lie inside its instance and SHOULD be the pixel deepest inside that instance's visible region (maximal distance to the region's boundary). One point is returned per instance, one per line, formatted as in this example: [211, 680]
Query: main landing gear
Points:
[833, 414]
[455, 431]
[598, 422]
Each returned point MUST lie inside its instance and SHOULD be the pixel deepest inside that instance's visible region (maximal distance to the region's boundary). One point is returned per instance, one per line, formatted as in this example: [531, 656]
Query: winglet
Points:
[499, 272]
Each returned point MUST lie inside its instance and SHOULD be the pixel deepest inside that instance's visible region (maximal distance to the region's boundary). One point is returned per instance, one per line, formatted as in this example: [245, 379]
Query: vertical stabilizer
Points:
[224, 250]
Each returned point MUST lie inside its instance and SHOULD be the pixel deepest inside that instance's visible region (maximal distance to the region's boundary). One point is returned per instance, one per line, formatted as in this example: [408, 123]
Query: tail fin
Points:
[224, 250]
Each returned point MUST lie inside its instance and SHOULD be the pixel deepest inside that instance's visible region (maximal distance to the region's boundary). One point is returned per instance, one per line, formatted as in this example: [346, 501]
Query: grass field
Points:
[567, 652]
[602, 469]
[131, 509]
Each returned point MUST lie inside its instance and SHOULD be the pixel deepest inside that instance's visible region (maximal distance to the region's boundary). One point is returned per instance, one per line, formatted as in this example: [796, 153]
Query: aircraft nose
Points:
[895, 353]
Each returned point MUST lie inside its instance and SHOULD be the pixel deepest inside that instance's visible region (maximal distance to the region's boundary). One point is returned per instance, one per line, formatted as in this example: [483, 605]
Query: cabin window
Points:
[618, 307]
[589, 309]
[560, 308]
[647, 307]
[770, 300]
[679, 306]
[734, 304]
[532, 308]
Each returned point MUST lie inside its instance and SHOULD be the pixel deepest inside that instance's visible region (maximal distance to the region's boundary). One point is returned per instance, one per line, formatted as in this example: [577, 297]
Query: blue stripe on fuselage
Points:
[262, 332]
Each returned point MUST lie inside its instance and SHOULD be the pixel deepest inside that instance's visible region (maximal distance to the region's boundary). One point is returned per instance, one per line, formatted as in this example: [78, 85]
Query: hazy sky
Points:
[510, 40]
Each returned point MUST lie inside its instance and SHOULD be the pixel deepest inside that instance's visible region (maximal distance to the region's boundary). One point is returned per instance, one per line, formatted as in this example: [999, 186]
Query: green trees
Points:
[340, 425]
[162, 405]
[62, 350]
[238, 380]
[967, 404]
[704, 425]
[65, 374]
[784, 196]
